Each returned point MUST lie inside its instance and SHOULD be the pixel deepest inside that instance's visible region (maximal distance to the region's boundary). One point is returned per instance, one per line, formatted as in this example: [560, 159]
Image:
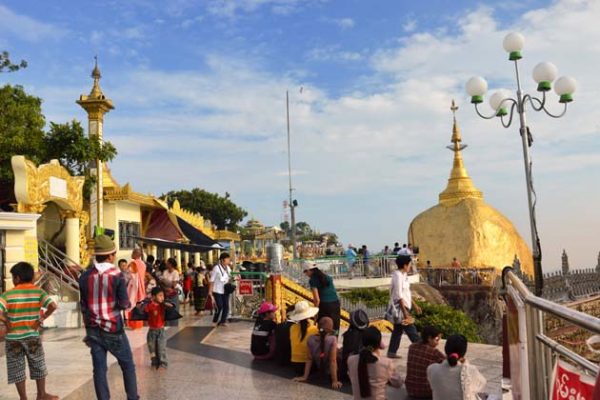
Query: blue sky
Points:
[199, 89]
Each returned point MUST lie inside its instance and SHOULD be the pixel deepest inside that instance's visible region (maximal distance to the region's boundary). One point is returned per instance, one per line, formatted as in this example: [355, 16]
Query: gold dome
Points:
[464, 226]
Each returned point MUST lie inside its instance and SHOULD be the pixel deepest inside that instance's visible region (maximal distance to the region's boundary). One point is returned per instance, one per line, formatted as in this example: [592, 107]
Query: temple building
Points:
[463, 226]
[54, 224]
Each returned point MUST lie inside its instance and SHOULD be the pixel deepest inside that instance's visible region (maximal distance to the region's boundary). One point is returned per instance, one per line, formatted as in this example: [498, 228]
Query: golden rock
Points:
[465, 227]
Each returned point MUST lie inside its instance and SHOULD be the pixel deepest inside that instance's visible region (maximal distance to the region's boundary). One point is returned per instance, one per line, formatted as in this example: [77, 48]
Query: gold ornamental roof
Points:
[460, 186]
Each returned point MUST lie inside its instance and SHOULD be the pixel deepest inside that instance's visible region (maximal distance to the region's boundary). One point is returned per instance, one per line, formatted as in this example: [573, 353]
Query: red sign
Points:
[569, 383]
[246, 288]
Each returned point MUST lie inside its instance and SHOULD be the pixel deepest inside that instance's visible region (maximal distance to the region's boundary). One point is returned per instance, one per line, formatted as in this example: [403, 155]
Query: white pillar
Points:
[153, 251]
[196, 259]
[178, 259]
[72, 239]
[167, 253]
[186, 259]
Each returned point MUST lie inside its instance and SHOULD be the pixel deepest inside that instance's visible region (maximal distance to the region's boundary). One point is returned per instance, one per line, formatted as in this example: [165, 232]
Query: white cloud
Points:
[333, 53]
[410, 25]
[27, 28]
[229, 8]
[344, 23]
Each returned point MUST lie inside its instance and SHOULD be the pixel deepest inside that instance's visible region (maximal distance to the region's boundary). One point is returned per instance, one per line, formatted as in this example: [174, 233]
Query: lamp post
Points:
[293, 203]
[504, 107]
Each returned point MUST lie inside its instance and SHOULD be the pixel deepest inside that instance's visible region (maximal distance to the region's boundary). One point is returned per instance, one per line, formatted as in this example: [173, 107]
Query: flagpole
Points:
[292, 207]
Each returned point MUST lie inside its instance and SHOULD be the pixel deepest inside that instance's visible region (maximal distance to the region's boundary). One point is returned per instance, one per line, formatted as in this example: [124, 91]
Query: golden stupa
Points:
[465, 227]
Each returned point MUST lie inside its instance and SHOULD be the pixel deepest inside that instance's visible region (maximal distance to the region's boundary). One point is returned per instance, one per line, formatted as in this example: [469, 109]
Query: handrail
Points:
[53, 260]
[565, 352]
[535, 351]
[576, 317]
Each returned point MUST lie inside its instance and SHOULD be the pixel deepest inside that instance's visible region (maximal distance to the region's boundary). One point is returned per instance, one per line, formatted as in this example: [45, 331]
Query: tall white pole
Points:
[292, 207]
[535, 242]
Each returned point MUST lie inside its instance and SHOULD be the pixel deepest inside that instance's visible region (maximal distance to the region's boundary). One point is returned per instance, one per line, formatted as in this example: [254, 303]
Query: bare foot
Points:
[47, 396]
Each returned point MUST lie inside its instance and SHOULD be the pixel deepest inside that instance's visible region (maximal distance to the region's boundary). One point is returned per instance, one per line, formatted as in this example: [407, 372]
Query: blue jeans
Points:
[117, 344]
[410, 331]
[222, 305]
[157, 346]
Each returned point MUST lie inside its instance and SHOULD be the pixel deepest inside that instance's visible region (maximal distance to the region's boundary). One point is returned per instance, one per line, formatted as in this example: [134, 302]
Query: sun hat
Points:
[266, 307]
[303, 311]
[306, 265]
[359, 319]
[103, 245]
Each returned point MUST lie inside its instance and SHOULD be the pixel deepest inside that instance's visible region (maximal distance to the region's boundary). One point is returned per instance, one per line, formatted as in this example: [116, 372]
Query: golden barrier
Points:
[284, 292]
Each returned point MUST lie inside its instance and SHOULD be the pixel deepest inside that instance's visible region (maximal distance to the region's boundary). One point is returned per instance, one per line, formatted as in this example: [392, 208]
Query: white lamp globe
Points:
[513, 44]
[544, 74]
[476, 88]
[496, 101]
[565, 86]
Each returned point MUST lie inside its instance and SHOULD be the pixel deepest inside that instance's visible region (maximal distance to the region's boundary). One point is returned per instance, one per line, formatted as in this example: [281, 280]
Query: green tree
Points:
[220, 210]
[22, 132]
[73, 149]
[7, 66]
[21, 128]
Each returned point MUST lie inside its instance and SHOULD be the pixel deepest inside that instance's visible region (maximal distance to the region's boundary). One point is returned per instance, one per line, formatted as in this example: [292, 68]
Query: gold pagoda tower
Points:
[463, 226]
[96, 105]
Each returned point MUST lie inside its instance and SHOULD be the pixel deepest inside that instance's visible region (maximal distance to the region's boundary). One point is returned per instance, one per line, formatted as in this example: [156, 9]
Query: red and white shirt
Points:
[103, 293]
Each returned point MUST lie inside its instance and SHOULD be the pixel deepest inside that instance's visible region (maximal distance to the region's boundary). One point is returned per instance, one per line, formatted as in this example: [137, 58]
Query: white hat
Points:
[303, 311]
[306, 265]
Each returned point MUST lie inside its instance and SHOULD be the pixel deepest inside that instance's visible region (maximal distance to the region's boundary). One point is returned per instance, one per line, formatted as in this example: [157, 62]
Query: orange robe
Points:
[137, 290]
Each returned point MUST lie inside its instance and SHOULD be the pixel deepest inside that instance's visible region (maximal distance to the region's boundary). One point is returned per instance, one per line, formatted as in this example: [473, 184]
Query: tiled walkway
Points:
[218, 368]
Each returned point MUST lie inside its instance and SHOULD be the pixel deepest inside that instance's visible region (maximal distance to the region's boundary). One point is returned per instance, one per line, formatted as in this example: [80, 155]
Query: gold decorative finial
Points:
[456, 139]
[460, 186]
[96, 71]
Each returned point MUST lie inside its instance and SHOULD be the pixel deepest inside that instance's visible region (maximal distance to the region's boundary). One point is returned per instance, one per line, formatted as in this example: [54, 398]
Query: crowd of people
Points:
[307, 342]
[113, 298]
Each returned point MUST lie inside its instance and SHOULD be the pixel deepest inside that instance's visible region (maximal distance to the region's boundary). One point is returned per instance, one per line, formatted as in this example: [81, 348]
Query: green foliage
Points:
[21, 128]
[7, 66]
[371, 297]
[22, 132]
[73, 149]
[220, 210]
[448, 320]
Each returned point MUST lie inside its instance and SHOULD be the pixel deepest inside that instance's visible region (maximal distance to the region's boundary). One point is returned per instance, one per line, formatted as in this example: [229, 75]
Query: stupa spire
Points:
[460, 186]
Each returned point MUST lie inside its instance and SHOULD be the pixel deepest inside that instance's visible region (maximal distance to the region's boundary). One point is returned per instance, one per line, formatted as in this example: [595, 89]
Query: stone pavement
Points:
[203, 363]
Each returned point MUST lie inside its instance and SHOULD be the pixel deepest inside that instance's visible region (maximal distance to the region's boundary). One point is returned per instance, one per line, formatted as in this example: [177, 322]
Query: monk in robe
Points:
[137, 289]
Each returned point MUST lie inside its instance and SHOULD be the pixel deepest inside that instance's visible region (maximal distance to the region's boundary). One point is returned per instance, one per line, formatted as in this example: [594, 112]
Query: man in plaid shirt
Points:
[420, 356]
[103, 294]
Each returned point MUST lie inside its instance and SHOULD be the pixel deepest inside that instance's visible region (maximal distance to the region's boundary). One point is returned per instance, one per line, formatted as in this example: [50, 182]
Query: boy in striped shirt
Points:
[20, 311]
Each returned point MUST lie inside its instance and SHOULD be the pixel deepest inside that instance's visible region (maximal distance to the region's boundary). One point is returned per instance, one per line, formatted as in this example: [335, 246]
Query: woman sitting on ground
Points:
[352, 339]
[262, 344]
[300, 331]
[455, 378]
[283, 347]
[322, 354]
[369, 372]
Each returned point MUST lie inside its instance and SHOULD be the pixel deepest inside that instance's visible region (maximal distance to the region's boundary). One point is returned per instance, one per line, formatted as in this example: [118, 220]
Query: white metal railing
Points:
[54, 262]
[378, 266]
[531, 352]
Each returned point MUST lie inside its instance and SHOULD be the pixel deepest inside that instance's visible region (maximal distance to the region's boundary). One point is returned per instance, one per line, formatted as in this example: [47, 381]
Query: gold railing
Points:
[284, 292]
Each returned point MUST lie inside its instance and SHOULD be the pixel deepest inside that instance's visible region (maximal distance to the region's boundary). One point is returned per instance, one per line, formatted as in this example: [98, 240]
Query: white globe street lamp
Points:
[504, 107]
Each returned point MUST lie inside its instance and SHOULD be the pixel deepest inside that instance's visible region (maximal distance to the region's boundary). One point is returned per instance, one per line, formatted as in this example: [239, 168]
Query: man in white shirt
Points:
[218, 280]
[402, 298]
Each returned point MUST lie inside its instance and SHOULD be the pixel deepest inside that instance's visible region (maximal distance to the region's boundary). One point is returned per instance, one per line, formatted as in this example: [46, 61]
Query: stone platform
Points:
[203, 363]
